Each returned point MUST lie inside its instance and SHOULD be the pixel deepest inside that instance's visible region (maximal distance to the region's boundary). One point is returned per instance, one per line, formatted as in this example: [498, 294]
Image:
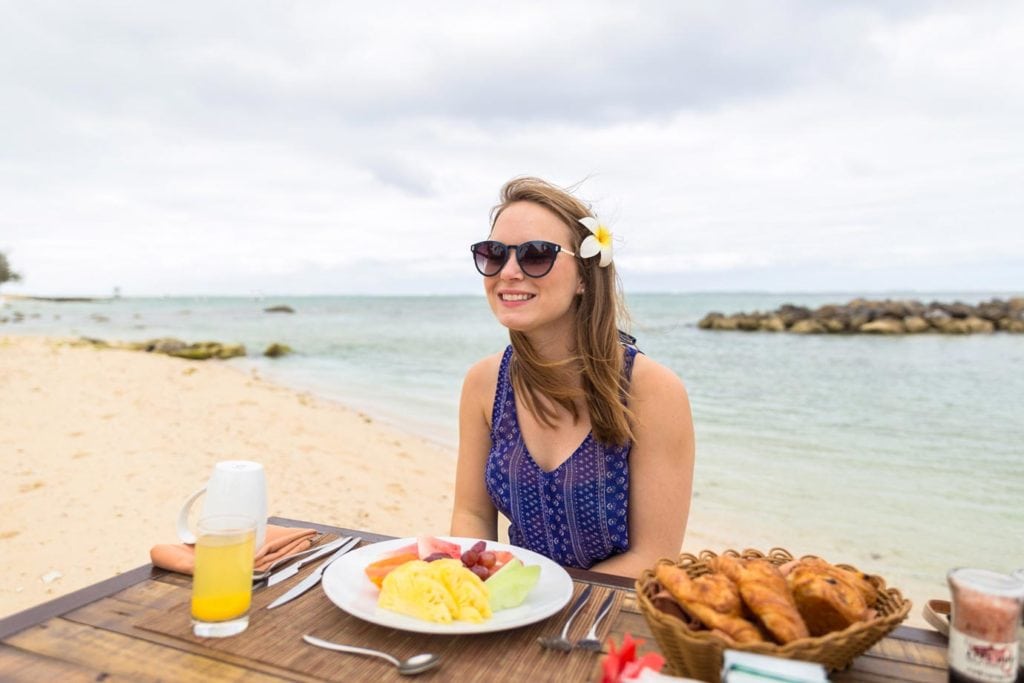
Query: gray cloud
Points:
[229, 142]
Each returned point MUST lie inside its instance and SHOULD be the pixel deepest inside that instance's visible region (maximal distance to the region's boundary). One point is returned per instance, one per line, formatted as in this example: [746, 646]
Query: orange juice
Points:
[222, 584]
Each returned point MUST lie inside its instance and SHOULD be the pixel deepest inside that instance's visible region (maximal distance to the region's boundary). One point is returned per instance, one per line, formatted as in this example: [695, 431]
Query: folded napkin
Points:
[281, 541]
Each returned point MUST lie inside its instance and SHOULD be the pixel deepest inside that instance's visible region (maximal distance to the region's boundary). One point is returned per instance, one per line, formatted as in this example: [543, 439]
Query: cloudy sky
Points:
[353, 147]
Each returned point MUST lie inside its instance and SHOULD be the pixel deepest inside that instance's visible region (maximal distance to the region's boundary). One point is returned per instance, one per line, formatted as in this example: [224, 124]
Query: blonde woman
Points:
[583, 443]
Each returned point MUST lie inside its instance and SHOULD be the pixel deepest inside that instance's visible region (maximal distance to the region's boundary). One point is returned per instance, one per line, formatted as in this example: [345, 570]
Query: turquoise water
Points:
[901, 454]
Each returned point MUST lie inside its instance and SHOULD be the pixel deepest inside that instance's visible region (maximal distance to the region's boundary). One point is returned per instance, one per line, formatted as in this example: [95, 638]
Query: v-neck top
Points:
[576, 514]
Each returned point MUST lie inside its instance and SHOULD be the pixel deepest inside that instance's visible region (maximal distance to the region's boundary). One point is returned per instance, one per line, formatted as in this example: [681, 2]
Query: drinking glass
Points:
[222, 582]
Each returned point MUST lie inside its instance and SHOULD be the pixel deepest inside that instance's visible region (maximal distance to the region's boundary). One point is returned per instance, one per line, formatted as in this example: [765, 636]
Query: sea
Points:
[902, 455]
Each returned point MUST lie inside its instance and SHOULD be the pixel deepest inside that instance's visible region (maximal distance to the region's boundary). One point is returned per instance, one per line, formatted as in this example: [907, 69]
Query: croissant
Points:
[713, 599]
[829, 598]
[764, 591]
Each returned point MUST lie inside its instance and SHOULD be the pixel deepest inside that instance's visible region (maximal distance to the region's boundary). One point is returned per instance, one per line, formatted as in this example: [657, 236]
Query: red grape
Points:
[482, 572]
[487, 559]
[478, 547]
[470, 557]
[435, 556]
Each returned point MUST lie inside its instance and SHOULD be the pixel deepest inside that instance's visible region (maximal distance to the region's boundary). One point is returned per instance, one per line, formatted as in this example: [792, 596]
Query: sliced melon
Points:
[509, 586]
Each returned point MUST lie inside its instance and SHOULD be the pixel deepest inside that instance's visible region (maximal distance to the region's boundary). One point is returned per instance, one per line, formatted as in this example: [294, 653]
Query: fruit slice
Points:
[413, 548]
[501, 558]
[428, 545]
[511, 584]
[376, 571]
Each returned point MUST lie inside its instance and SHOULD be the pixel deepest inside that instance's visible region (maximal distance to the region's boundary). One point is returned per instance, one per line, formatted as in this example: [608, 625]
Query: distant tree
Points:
[6, 274]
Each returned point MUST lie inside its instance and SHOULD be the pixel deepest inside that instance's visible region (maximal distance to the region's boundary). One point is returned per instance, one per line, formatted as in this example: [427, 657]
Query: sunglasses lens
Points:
[537, 257]
[489, 257]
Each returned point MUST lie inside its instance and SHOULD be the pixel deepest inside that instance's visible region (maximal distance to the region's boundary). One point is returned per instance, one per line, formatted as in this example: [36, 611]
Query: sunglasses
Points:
[536, 258]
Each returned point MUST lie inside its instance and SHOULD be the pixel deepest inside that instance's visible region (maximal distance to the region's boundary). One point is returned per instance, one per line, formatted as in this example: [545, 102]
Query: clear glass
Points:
[222, 582]
[986, 614]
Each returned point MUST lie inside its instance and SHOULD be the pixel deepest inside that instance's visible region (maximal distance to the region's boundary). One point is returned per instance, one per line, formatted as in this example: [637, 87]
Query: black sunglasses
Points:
[536, 258]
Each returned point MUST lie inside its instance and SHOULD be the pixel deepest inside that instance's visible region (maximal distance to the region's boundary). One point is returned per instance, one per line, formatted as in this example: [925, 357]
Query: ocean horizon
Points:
[899, 454]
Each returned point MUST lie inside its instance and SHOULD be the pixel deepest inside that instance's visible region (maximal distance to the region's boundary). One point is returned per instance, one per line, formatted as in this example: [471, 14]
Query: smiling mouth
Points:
[516, 297]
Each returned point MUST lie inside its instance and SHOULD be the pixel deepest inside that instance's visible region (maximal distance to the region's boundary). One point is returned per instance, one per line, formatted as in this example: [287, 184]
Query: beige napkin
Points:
[281, 541]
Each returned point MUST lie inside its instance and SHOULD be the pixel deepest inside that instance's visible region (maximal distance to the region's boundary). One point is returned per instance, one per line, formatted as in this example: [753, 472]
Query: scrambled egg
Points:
[441, 591]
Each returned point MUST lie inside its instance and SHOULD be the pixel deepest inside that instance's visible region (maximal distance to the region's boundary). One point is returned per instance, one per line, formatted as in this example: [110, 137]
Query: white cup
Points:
[237, 487]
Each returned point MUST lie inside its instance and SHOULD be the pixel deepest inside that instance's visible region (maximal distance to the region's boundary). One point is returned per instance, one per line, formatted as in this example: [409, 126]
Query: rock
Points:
[276, 350]
[51, 576]
[950, 325]
[207, 350]
[994, 310]
[915, 324]
[833, 325]
[791, 314]
[807, 326]
[279, 309]
[748, 323]
[976, 324]
[883, 326]
[959, 310]
[164, 345]
[708, 321]
[887, 316]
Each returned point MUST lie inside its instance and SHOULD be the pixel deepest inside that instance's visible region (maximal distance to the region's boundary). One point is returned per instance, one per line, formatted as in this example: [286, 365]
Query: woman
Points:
[583, 443]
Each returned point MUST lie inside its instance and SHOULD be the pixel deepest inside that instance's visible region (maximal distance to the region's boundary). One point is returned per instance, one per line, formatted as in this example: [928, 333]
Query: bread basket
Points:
[698, 653]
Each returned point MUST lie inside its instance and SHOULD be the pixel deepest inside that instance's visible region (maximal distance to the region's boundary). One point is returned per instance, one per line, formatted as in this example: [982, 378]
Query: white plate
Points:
[347, 586]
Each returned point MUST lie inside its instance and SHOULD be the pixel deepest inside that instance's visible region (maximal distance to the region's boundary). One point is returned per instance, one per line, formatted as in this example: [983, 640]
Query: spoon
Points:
[416, 664]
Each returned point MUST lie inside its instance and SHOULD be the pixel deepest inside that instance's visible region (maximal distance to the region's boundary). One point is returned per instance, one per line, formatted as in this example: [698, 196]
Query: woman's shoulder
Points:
[483, 374]
[652, 380]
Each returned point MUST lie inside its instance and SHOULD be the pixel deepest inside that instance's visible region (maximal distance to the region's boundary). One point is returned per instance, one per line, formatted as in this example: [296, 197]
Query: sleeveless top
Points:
[575, 514]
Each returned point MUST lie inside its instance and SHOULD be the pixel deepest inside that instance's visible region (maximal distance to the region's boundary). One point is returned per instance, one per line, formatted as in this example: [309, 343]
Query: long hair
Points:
[597, 355]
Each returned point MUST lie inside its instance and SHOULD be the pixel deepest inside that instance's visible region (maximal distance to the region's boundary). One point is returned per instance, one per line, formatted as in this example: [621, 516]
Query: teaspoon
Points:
[416, 664]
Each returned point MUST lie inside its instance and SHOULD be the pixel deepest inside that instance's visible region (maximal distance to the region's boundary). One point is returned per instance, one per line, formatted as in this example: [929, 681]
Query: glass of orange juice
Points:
[222, 582]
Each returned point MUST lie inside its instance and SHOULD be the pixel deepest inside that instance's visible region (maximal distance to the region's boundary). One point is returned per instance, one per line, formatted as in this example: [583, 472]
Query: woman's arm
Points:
[660, 469]
[473, 513]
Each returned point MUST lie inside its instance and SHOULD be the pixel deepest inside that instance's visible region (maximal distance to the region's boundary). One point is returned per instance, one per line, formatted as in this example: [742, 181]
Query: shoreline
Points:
[103, 445]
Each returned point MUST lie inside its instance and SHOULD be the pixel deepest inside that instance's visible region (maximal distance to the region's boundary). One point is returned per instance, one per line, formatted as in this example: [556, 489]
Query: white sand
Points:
[100, 447]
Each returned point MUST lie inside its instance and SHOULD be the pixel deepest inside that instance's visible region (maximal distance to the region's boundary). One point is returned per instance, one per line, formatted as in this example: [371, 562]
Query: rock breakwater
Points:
[866, 316]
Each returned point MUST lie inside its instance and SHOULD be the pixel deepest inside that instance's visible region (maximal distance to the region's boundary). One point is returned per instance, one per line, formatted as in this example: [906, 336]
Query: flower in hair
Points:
[598, 242]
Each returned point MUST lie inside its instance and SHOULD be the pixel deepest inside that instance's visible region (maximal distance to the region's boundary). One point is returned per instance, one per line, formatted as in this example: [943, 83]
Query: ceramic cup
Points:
[236, 487]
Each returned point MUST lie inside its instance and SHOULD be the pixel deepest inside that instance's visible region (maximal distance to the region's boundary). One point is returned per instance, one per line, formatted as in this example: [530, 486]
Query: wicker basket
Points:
[698, 654]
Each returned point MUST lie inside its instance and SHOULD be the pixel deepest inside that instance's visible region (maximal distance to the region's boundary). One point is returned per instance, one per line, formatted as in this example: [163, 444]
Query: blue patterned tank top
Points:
[577, 513]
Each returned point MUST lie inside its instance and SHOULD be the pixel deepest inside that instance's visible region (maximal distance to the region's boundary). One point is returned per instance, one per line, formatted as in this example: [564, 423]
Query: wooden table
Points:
[92, 635]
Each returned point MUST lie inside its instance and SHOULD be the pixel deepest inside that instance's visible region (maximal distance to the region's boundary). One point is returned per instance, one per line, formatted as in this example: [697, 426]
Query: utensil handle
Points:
[606, 607]
[351, 649]
[576, 607]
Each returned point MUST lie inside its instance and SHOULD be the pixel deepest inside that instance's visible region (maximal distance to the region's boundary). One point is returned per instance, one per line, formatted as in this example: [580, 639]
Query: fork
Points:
[590, 642]
[562, 642]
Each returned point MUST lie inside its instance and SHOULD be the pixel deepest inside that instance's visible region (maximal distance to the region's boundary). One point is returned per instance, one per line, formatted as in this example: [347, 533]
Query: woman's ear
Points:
[580, 288]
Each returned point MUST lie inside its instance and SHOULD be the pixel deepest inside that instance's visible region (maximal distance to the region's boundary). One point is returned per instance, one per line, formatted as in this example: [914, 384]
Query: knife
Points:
[293, 569]
[314, 577]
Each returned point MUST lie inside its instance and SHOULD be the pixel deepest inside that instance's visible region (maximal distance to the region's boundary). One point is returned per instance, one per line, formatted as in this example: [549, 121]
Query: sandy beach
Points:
[100, 447]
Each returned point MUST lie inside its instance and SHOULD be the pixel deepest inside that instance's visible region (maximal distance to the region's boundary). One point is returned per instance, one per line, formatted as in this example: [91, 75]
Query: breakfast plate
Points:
[347, 586]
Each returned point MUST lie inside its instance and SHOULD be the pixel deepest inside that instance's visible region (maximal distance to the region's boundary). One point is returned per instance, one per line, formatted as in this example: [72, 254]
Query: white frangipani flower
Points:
[599, 242]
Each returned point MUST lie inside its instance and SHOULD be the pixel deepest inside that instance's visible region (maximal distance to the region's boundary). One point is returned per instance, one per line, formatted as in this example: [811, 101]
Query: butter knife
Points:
[314, 577]
[293, 569]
